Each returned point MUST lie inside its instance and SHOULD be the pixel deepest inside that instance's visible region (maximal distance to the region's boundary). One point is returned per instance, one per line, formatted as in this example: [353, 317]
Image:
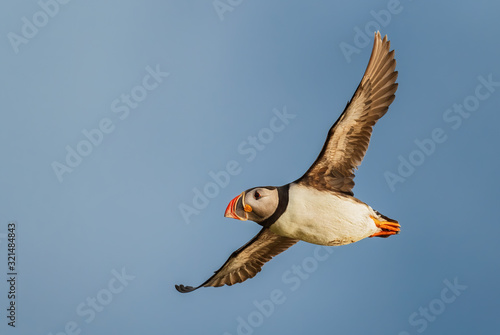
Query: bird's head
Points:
[255, 204]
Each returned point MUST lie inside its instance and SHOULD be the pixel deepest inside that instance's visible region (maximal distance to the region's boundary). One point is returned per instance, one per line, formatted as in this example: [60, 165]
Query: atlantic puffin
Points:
[319, 207]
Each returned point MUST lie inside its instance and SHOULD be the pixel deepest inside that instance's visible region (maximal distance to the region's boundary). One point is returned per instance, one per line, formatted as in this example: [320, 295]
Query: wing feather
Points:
[348, 138]
[247, 261]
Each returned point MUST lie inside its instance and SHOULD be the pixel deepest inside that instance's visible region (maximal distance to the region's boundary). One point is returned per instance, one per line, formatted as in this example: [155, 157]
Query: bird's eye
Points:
[256, 195]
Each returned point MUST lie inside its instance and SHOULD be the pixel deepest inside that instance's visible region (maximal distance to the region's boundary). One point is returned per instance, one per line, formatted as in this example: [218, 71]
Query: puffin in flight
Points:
[319, 207]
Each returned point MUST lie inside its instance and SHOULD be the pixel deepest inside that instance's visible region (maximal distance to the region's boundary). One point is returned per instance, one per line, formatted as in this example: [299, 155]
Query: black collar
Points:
[282, 204]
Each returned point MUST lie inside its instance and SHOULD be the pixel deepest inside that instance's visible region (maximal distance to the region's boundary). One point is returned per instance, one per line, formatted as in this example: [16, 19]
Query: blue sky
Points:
[115, 115]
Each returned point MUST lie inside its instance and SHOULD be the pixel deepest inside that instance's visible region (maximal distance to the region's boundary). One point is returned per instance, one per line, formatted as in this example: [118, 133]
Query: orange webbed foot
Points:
[388, 228]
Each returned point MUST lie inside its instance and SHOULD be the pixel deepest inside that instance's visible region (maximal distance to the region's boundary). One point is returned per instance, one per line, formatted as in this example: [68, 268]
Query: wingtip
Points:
[378, 36]
[185, 289]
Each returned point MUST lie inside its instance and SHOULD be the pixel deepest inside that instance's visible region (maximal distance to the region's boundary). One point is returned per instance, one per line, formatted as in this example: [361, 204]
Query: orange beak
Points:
[231, 208]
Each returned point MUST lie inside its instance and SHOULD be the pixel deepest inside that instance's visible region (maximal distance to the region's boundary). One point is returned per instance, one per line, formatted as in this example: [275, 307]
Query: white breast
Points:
[324, 218]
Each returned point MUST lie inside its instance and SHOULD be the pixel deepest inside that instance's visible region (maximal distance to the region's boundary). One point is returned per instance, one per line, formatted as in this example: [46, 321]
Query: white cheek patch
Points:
[270, 204]
[265, 206]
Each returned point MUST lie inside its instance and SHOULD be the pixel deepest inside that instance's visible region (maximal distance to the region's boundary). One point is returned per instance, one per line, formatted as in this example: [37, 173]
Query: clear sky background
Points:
[101, 243]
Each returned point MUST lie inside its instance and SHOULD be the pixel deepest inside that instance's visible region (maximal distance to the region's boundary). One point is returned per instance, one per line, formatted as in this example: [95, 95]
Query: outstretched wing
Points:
[349, 137]
[247, 261]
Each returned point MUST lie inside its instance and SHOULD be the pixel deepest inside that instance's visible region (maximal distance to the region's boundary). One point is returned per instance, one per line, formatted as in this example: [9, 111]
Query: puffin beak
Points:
[231, 210]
